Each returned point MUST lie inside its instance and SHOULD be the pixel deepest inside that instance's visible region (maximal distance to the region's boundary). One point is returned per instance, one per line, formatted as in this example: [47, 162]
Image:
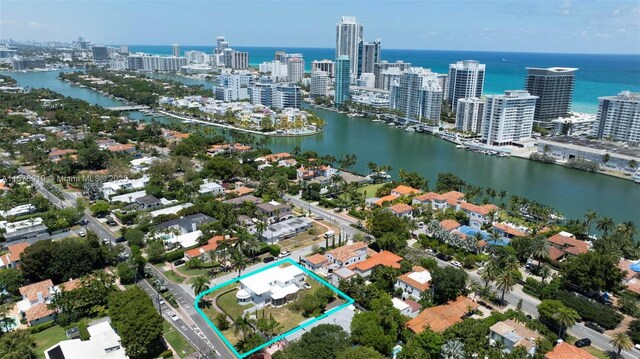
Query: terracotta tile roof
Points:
[449, 224]
[71, 284]
[276, 156]
[509, 230]
[14, 251]
[442, 317]
[241, 191]
[38, 311]
[384, 258]
[387, 198]
[211, 245]
[527, 335]
[450, 197]
[316, 259]
[400, 208]
[405, 190]
[633, 285]
[3, 186]
[427, 197]
[57, 152]
[482, 243]
[568, 244]
[31, 291]
[415, 306]
[343, 253]
[565, 350]
[421, 286]
[555, 253]
[483, 210]
[121, 148]
[625, 264]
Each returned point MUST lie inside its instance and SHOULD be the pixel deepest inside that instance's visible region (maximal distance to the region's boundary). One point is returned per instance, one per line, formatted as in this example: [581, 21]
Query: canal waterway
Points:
[570, 191]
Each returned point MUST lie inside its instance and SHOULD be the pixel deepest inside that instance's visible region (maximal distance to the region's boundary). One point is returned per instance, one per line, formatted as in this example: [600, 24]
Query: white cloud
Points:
[37, 25]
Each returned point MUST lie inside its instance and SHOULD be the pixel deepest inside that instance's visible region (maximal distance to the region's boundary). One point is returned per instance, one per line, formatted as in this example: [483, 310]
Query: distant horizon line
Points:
[400, 49]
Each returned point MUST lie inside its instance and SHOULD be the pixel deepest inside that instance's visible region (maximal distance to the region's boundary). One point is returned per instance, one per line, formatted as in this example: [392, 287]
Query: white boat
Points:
[461, 146]
[636, 177]
[410, 129]
[391, 124]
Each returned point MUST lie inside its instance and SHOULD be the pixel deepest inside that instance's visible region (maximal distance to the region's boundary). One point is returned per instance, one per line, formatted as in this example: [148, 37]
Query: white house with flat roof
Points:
[111, 188]
[128, 197]
[104, 343]
[275, 286]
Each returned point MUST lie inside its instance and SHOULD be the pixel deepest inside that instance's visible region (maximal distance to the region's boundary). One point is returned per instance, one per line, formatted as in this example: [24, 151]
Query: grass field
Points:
[229, 304]
[370, 190]
[176, 340]
[193, 272]
[47, 338]
[172, 276]
[304, 239]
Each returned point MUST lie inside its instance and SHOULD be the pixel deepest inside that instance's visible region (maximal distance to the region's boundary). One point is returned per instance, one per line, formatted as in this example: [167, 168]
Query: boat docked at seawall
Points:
[636, 176]
[485, 149]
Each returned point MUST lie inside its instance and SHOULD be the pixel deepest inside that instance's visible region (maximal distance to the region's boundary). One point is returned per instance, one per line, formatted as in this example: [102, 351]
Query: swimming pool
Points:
[11, 324]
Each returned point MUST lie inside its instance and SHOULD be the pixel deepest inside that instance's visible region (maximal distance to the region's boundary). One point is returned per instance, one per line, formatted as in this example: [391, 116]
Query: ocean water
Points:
[598, 75]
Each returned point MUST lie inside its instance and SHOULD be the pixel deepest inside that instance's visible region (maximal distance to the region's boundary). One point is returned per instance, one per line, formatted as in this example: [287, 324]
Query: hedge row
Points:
[591, 310]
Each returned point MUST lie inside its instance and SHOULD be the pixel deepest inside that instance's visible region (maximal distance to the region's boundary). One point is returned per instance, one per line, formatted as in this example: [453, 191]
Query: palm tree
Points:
[261, 226]
[539, 248]
[627, 229]
[243, 325]
[239, 261]
[489, 273]
[545, 272]
[621, 341]
[268, 327]
[224, 246]
[589, 218]
[565, 317]
[505, 282]
[452, 349]
[252, 246]
[605, 224]
[200, 284]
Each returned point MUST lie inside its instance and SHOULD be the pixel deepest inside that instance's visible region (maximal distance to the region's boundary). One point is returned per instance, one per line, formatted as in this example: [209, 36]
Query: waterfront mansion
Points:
[275, 286]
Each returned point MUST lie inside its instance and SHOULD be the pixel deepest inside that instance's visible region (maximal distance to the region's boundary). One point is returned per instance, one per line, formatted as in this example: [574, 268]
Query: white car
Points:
[174, 316]
[284, 254]
[456, 264]
[81, 233]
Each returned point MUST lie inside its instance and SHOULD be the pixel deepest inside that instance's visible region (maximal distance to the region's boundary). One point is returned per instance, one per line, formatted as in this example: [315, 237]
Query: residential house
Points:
[632, 274]
[140, 165]
[170, 210]
[407, 307]
[449, 225]
[238, 201]
[128, 197]
[383, 258]
[315, 262]
[211, 187]
[286, 228]
[28, 229]
[512, 334]
[275, 157]
[147, 202]
[348, 254]
[35, 300]
[186, 224]
[508, 231]
[275, 211]
[565, 350]
[401, 210]
[125, 148]
[478, 215]
[439, 318]
[414, 283]
[103, 343]
[111, 188]
[564, 245]
[11, 259]
[275, 286]
[58, 154]
[321, 174]
[403, 190]
[287, 163]
[385, 199]
[439, 201]
[341, 274]
[104, 144]
[20, 210]
[202, 252]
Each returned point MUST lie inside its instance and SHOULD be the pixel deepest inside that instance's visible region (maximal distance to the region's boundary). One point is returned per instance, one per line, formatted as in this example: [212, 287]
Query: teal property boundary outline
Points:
[349, 301]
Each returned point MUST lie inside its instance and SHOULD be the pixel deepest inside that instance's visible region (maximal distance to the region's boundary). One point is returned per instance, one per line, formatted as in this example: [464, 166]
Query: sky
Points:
[556, 26]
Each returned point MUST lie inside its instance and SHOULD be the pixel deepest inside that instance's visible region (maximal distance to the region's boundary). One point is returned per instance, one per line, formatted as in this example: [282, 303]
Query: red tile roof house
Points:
[414, 283]
[348, 254]
[404, 191]
[57, 155]
[478, 215]
[632, 278]
[507, 231]
[384, 258]
[202, 252]
[34, 304]
[439, 318]
[11, 259]
[401, 210]
[316, 262]
[126, 148]
[439, 201]
[564, 245]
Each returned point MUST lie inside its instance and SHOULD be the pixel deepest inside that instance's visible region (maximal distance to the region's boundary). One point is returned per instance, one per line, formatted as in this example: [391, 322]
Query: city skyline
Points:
[550, 26]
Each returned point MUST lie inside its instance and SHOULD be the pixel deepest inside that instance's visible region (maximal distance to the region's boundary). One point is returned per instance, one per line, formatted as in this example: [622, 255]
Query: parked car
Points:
[179, 262]
[456, 264]
[594, 326]
[268, 259]
[306, 285]
[584, 342]
[82, 233]
[430, 251]
[444, 257]
[174, 316]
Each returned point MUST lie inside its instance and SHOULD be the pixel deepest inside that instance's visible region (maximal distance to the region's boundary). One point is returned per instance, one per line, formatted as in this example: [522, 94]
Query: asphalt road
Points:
[205, 336]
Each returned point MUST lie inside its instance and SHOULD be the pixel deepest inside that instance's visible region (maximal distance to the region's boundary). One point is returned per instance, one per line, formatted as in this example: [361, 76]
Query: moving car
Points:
[174, 316]
[584, 342]
[594, 326]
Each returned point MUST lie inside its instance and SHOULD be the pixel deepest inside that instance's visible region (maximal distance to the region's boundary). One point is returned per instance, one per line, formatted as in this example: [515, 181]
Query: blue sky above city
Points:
[528, 26]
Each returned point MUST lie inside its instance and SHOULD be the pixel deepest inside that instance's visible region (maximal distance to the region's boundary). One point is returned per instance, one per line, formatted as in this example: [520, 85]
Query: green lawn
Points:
[176, 340]
[193, 272]
[229, 304]
[47, 338]
[172, 276]
[370, 189]
[590, 349]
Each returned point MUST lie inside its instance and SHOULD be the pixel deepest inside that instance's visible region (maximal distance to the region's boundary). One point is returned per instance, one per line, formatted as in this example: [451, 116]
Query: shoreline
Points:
[229, 127]
[618, 175]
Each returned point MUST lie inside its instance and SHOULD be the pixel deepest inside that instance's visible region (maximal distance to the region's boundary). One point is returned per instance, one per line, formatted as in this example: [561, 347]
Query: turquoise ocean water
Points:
[598, 75]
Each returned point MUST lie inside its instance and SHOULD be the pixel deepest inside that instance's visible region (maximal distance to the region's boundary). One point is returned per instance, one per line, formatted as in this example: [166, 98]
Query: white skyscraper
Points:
[418, 95]
[466, 79]
[295, 69]
[508, 117]
[175, 48]
[319, 84]
[348, 38]
[469, 114]
[327, 66]
[619, 117]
